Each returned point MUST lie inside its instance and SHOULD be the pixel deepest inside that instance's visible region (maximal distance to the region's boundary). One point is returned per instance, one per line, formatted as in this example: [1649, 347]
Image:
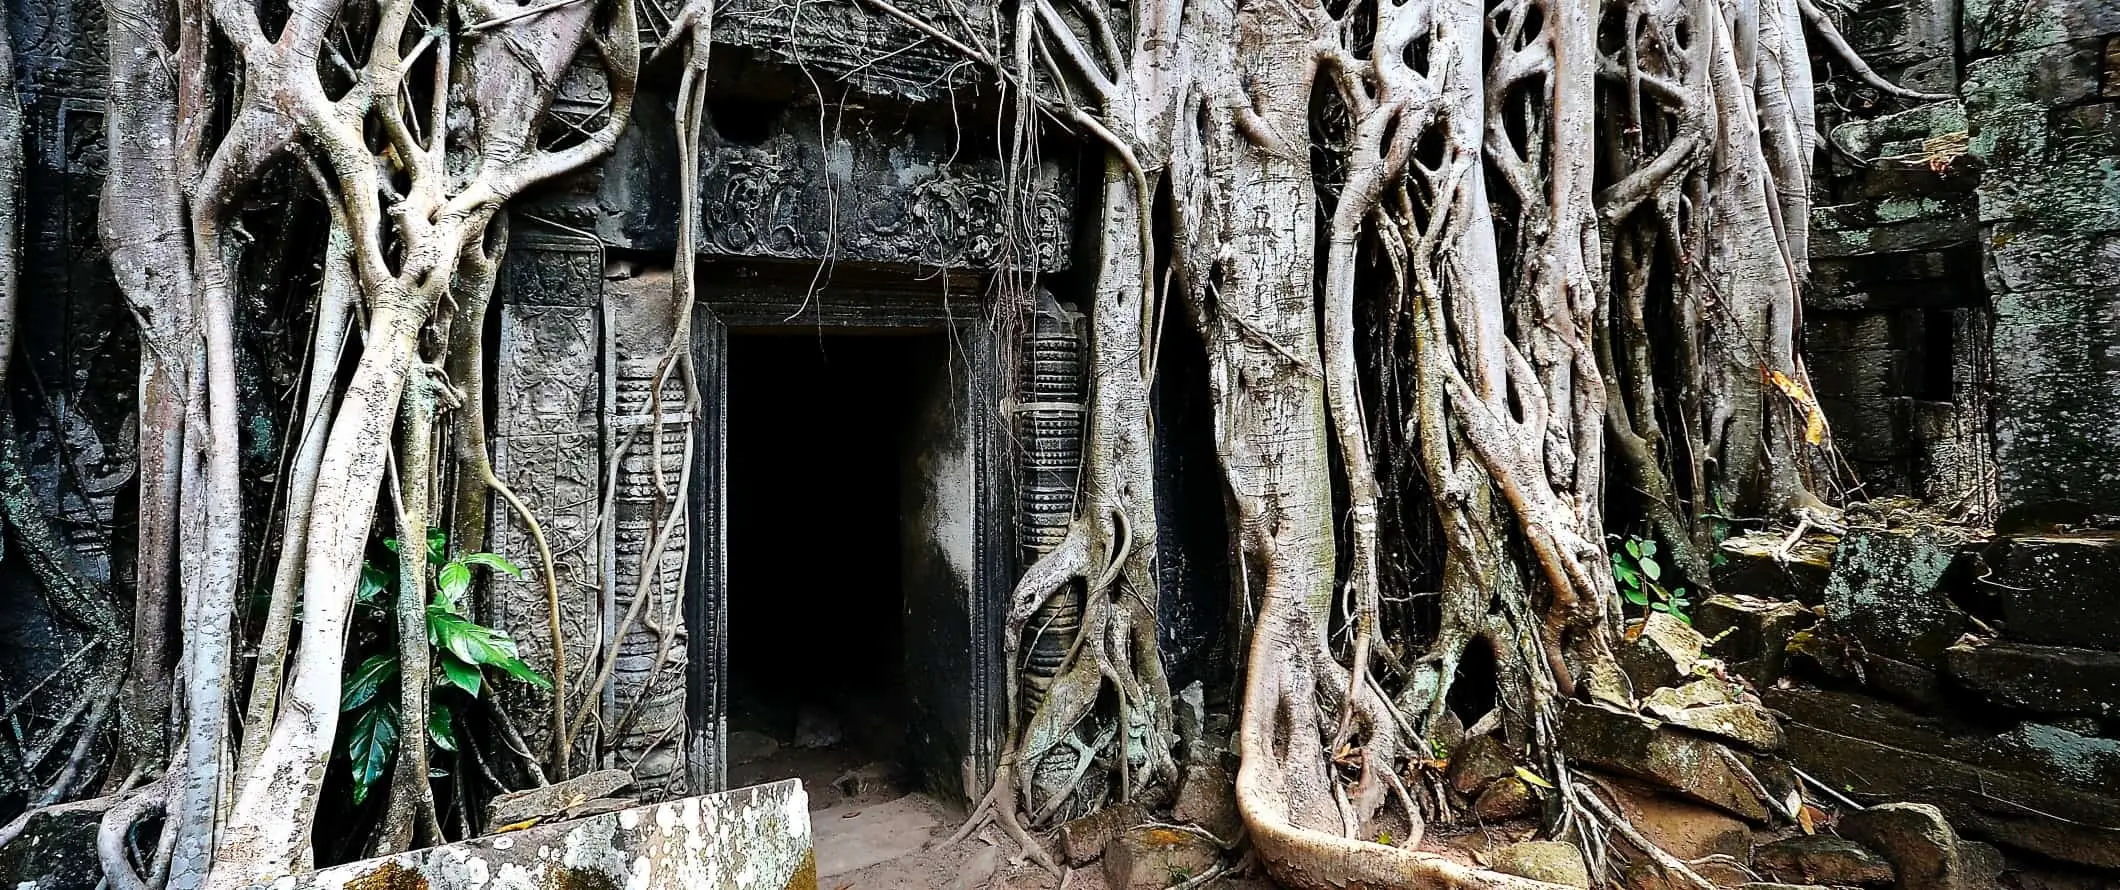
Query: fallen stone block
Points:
[1504, 799]
[755, 838]
[1886, 592]
[1753, 566]
[1699, 768]
[1822, 859]
[554, 801]
[1480, 760]
[55, 851]
[1682, 828]
[1664, 653]
[1551, 861]
[1207, 797]
[1708, 706]
[1082, 839]
[2058, 590]
[2052, 680]
[1751, 635]
[1151, 858]
[1915, 838]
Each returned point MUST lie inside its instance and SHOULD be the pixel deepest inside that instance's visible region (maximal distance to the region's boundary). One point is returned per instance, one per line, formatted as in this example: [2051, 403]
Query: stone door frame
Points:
[734, 297]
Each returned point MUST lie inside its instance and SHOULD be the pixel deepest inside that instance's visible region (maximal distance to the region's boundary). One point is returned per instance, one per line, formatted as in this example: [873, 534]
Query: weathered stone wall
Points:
[2042, 96]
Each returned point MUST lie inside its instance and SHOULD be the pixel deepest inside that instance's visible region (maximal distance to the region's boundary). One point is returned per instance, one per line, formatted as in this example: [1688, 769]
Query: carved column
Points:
[649, 536]
[547, 446]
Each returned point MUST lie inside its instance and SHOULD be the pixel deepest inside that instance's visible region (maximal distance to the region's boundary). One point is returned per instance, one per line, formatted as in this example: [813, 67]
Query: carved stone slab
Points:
[547, 446]
[870, 191]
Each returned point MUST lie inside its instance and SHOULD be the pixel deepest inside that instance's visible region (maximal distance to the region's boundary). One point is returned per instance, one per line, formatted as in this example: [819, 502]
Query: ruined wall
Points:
[2042, 97]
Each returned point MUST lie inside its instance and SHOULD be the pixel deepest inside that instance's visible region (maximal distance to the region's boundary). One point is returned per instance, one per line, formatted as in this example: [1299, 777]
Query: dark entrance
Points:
[819, 429]
[855, 533]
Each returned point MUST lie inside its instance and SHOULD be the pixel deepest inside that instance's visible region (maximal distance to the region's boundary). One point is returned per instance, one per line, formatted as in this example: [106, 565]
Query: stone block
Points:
[1504, 799]
[1082, 840]
[1148, 858]
[1886, 592]
[1751, 567]
[1915, 838]
[1751, 635]
[1714, 707]
[1664, 653]
[1699, 768]
[1822, 859]
[55, 851]
[2048, 680]
[2003, 26]
[755, 838]
[1207, 797]
[1551, 861]
[2057, 590]
[1480, 760]
[2037, 788]
[556, 799]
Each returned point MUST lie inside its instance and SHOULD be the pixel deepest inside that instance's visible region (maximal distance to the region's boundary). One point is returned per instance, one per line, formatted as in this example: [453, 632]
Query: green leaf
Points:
[441, 727]
[493, 561]
[516, 668]
[1650, 568]
[373, 582]
[461, 675]
[1634, 548]
[477, 645]
[1625, 573]
[1634, 595]
[453, 582]
[437, 545]
[1531, 778]
[366, 680]
[390, 544]
[370, 745]
[1648, 548]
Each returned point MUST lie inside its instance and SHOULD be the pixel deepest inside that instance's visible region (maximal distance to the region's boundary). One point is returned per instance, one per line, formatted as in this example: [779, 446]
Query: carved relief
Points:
[871, 192]
[649, 541]
[547, 446]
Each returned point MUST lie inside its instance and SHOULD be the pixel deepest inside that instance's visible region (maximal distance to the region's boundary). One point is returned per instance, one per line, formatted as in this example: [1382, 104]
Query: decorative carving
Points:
[547, 446]
[866, 193]
[650, 432]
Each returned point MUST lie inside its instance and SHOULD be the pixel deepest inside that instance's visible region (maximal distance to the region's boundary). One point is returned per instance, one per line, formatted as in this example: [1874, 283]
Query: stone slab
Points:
[755, 838]
[2057, 590]
[2050, 680]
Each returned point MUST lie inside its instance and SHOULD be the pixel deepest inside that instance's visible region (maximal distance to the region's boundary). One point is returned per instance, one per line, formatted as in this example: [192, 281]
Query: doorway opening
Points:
[820, 446]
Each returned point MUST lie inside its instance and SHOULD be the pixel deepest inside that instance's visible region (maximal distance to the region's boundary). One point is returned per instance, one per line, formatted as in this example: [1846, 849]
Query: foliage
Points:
[1640, 579]
[463, 650]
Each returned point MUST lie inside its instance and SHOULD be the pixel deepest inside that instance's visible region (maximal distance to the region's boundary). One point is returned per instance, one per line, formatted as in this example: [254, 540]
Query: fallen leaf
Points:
[1531, 778]
[1814, 424]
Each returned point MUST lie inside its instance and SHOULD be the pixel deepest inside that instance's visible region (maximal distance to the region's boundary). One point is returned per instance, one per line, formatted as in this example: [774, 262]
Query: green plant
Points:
[462, 651]
[1640, 579]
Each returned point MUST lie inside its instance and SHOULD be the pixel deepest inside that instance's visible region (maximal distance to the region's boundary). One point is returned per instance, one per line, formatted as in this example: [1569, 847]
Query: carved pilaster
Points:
[547, 446]
[649, 537]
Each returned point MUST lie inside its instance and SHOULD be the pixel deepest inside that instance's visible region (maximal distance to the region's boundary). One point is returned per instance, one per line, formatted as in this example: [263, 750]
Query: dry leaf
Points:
[1814, 424]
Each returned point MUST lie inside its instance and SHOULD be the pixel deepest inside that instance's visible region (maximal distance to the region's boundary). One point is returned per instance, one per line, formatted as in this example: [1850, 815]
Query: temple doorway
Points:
[822, 462]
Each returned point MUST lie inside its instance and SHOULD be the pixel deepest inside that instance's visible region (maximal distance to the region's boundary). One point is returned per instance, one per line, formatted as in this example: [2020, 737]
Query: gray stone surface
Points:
[2050, 680]
[1886, 592]
[1920, 844]
[755, 838]
[2049, 207]
[1150, 858]
[2008, 786]
[1751, 635]
[2059, 590]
